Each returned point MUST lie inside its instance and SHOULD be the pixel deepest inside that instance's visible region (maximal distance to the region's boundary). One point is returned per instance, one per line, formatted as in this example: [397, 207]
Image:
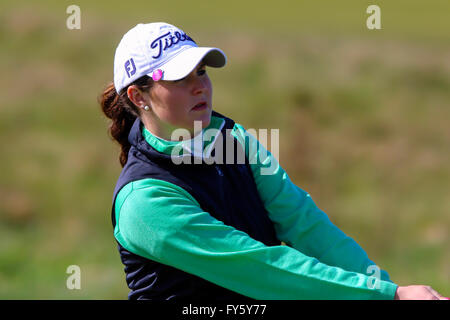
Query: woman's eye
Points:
[200, 72]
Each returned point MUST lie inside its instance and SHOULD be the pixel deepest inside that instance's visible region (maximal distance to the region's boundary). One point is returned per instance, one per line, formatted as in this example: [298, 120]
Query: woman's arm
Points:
[302, 225]
[164, 223]
[298, 221]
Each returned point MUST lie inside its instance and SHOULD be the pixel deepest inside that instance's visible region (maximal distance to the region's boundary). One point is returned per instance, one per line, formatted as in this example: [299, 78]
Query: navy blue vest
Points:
[226, 191]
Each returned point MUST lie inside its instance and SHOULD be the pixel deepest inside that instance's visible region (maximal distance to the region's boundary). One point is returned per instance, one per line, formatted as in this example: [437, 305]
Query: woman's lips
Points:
[200, 106]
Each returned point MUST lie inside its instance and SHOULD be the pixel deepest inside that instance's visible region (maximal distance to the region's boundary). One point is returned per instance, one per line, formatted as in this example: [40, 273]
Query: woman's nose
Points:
[200, 85]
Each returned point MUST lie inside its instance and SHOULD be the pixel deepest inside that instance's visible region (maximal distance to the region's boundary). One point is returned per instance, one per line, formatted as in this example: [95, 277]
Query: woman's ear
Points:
[136, 96]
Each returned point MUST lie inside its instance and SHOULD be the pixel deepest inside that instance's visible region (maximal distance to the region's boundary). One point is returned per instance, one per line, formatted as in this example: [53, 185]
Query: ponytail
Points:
[122, 112]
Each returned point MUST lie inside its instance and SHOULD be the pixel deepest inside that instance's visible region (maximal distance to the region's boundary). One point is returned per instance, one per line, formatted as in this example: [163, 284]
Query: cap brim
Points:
[183, 64]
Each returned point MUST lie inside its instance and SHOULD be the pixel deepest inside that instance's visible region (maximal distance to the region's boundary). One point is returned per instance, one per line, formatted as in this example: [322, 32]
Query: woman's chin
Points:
[204, 116]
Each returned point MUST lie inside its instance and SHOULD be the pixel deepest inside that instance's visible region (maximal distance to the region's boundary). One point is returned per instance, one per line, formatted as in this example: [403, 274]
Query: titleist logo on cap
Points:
[169, 40]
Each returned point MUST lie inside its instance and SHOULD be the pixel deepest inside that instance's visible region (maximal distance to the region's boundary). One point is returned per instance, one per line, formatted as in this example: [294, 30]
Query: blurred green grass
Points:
[363, 118]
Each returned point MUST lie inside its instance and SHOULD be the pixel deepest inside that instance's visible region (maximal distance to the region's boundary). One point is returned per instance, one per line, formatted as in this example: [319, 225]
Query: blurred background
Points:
[363, 118]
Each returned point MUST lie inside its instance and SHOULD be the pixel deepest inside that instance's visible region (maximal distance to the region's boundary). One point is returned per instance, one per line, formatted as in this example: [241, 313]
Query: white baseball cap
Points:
[161, 51]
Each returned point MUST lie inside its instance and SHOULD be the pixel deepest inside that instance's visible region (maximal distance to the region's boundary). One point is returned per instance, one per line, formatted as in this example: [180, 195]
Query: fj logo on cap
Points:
[169, 40]
[132, 70]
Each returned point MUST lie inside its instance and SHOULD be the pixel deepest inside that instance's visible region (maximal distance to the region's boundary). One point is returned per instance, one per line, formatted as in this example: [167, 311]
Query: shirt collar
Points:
[199, 146]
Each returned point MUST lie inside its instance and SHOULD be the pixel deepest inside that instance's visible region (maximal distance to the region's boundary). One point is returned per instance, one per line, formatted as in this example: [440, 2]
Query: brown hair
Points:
[122, 112]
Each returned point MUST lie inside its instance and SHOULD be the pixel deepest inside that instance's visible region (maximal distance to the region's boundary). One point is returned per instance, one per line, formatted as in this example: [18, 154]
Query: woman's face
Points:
[176, 103]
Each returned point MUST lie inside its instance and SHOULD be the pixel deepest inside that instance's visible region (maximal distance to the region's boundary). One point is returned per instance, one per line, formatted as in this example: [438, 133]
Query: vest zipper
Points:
[219, 171]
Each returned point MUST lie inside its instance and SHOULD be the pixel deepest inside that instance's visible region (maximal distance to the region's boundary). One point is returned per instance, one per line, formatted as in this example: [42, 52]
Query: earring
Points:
[146, 108]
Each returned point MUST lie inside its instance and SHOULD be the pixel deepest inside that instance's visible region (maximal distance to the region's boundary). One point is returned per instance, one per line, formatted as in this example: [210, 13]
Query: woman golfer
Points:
[200, 208]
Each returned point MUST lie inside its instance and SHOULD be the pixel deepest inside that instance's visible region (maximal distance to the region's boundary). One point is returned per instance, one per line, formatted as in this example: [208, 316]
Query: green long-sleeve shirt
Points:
[162, 222]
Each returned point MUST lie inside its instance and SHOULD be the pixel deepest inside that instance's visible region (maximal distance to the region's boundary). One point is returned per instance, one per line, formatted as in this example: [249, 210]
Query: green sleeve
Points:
[298, 221]
[164, 223]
